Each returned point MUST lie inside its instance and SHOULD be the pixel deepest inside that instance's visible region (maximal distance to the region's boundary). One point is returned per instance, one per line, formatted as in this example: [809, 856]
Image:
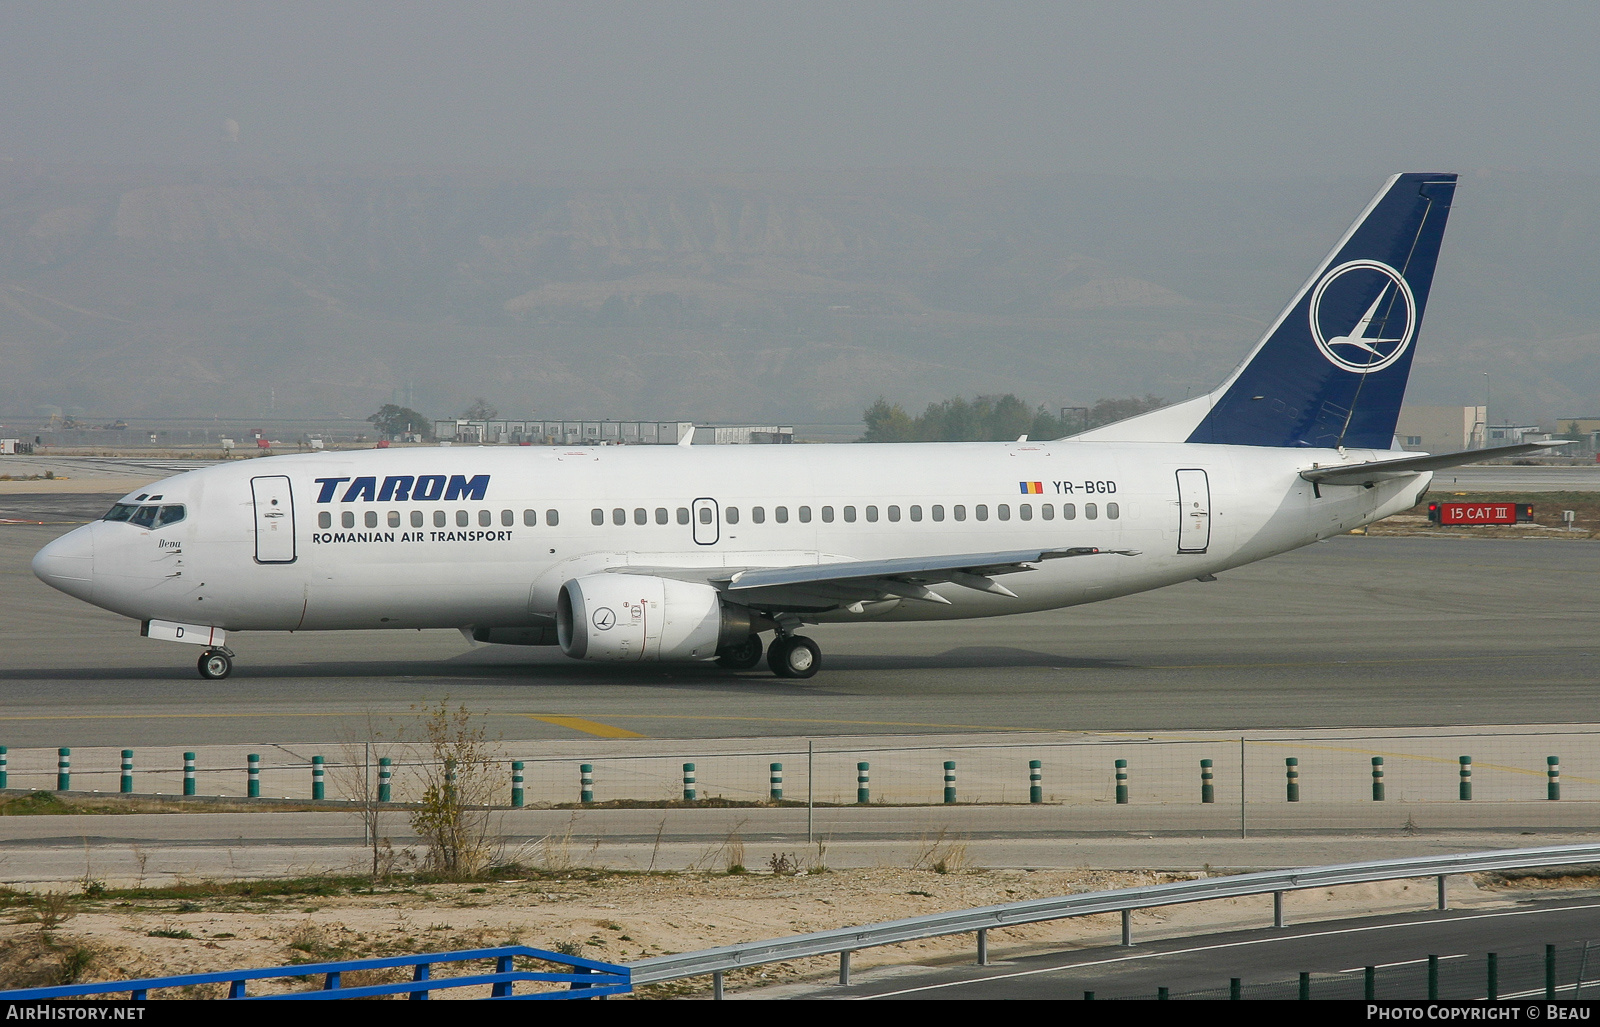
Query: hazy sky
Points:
[1210, 89]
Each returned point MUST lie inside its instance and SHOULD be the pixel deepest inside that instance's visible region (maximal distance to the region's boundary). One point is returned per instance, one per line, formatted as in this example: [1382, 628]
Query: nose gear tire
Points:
[214, 665]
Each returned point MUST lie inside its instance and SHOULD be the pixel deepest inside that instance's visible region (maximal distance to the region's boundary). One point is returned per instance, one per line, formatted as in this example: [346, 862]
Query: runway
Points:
[1355, 632]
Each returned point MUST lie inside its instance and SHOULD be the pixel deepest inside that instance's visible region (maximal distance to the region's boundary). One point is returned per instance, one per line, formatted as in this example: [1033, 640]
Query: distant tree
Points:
[480, 410]
[394, 420]
[1107, 411]
[989, 419]
[886, 423]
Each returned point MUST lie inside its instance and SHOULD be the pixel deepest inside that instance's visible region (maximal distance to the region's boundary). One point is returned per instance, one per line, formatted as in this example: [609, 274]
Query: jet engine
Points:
[636, 617]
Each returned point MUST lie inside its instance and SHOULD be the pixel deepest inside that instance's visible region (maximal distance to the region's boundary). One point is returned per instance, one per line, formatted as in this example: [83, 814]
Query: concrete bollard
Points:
[1208, 788]
[1552, 789]
[688, 782]
[252, 775]
[1035, 781]
[3, 770]
[516, 784]
[949, 780]
[319, 789]
[775, 782]
[127, 771]
[63, 770]
[586, 783]
[863, 783]
[1291, 771]
[1377, 779]
[385, 779]
[1122, 782]
[1466, 777]
[188, 773]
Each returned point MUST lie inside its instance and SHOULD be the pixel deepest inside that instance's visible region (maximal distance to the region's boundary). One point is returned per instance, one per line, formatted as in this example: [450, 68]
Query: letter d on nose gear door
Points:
[274, 502]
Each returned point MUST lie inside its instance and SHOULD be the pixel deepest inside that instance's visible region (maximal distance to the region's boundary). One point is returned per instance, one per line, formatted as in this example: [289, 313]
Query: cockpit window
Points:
[121, 512]
[145, 516]
[169, 515]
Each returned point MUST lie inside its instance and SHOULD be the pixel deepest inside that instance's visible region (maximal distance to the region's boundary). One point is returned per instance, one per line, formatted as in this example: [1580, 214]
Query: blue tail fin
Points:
[1332, 369]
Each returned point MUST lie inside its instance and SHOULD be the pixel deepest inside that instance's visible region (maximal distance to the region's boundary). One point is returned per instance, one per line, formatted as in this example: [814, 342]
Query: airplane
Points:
[686, 553]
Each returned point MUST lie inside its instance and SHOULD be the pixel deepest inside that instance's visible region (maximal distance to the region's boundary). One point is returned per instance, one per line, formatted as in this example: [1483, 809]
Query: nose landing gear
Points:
[216, 663]
[794, 656]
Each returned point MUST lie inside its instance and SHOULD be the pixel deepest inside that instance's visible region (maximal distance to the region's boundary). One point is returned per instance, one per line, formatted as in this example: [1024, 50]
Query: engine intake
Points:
[637, 617]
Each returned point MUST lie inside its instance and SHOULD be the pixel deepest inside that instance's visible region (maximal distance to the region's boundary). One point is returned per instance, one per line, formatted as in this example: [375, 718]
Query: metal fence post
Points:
[1305, 986]
[1553, 772]
[844, 969]
[385, 778]
[1277, 909]
[318, 784]
[1035, 781]
[188, 773]
[1444, 902]
[1494, 976]
[252, 775]
[949, 780]
[1466, 777]
[586, 783]
[63, 770]
[127, 771]
[983, 947]
[1236, 988]
[1127, 928]
[1549, 971]
[688, 783]
[1122, 782]
[1371, 976]
[1291, 769]
[775, 782]
[1208, 787]
[863, 784]
[1377, 779]
[1433, 977]
[516, 784]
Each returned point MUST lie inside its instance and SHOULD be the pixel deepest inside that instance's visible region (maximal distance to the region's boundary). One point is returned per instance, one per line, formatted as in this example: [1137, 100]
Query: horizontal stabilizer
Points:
[1374, 471]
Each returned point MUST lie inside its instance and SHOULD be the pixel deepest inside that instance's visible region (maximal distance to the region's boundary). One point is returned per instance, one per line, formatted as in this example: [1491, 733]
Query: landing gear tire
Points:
[742, 656]
[794, 657]
[215, 665]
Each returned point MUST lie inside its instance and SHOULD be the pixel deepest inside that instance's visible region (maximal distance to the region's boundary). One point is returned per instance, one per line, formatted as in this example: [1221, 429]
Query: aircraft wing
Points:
[1374, 471]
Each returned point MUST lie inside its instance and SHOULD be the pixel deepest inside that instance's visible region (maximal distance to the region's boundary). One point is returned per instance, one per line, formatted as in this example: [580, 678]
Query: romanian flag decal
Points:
[1032, 488]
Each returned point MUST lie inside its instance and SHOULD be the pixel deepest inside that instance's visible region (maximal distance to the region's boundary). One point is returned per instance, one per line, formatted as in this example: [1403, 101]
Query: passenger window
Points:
[981, 511]
[507, 518]
[641, 515]
[850, 514]
[661, 515]
[827, 515]
[122, 511]
[872, 514]
[551, 518]
[394, 518]
[805, 515]
[938, 512]
[416, 518]
[705, 515]
[530, 517]
[1113, 511]
[438, 518]
[894, 513]
[597, 515]
[1003, 511]
[683, 515]
[959, 512]
[916, 513]
[1025, 511]
[169, 515]
[730, 514]
[462, 518]
[1047, 511]
[780, 514]
[485, 518]
[146, 516]
[348, 518]
[619, 516]
[324, 519]
[371, 518]
[758, 514]
[1069, 512]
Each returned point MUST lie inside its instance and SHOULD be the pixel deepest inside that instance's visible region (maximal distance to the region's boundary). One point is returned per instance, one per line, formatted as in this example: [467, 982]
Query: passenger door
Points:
[274, 513]
[1194, 511]
[707, 521]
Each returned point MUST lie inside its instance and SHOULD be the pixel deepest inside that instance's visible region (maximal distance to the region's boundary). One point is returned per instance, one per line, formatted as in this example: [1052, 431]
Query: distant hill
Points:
[797, 297]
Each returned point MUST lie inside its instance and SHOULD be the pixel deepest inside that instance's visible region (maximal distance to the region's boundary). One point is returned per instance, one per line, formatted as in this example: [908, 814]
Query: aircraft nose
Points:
[67, 563]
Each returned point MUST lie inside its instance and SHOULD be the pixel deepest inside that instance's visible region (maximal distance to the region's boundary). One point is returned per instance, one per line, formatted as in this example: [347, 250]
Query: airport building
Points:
[515, 431]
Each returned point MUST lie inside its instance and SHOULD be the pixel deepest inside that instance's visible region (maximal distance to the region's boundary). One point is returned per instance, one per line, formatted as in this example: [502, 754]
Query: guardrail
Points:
[983, 919]
[587, 978]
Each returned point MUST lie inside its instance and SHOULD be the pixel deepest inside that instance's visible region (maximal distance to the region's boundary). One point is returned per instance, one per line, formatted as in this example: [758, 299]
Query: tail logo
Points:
[1363, 316]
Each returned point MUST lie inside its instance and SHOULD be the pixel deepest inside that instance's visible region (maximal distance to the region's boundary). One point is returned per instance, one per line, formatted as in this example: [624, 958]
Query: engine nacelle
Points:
[638, 617]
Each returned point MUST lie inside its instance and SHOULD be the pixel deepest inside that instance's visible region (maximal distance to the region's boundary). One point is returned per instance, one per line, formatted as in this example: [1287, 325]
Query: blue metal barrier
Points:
[586, 979]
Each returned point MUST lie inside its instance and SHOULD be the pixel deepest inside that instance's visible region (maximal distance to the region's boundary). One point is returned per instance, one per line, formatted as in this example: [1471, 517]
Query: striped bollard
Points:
[1208, 788]
[949, 780]
[319, 788]
[863, 788]
[1552, 790]
[586, 783]
[775, 782]
[127, 771]
[1122, 782]
[688, 782]
[385, 779]
[188, 773]
[1466, 777]
[1291, 769]
[1377, 779]
[63, 770]
[3, 772]
[252, 775]
[1035, 781]
[516, 784]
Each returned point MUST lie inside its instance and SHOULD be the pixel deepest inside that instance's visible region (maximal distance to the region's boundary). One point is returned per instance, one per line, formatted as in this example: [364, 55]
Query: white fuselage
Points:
[344, 552]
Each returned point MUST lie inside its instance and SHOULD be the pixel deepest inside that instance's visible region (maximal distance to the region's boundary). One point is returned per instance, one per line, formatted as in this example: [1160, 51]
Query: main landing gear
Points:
[216, 664]
[794, 656]
[742, 656]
